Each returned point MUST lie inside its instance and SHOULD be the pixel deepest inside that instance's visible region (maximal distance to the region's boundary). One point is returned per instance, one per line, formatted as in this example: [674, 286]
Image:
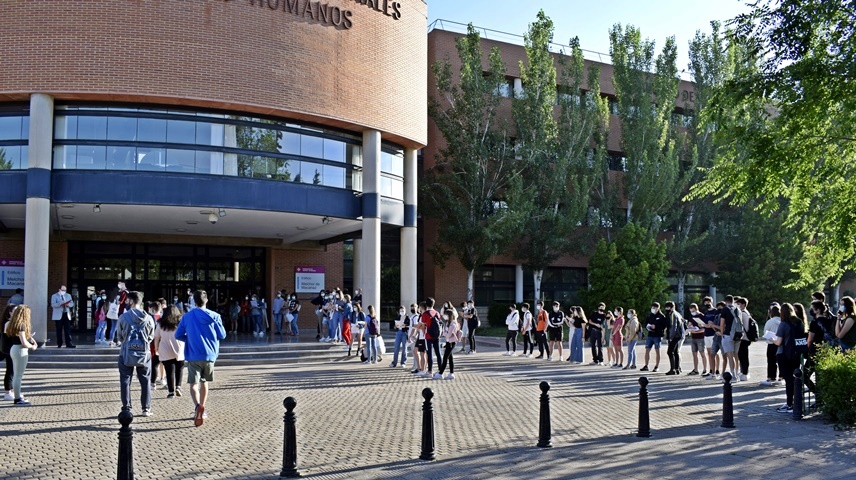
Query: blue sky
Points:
[591, 21]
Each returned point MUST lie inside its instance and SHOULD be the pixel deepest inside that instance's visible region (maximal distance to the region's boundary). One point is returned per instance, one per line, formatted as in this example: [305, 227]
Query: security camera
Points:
[213, 218]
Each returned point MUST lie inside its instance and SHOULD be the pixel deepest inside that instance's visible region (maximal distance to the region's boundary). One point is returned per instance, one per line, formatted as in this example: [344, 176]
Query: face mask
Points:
[103, 297]
[278, 296]
[401, 312]
[174, 299]
[706, 305]
[555, 309]
[121, 287]
[599, 310]
[246, 298]
[668, 310]
[62, 292]
[841, 309]
[412, 310]
[525, 310]
[654, 310]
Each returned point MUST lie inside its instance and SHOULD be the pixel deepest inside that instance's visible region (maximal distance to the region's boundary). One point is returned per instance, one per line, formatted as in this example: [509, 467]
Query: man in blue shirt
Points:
[201, 331]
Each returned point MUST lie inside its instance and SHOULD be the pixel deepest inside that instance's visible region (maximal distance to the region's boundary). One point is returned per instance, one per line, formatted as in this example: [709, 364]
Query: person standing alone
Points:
[61, 303]
[201, 331]
[135, 333]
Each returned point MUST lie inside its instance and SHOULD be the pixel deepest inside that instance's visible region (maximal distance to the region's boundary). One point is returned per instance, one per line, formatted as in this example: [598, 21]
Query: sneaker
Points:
[323, 339]
[644, 369]
[437, 376]
[625, 368]
[506, 354]
[767, 383]
[450, 376]
[414, 371]
[785, 409]
[8, 396]
[170, 395]
[513, 354]
[694, 372]
[177, 392]
[549, 359]
[426, 374]
[366, 362]
[22, 402]
[403, 365]
[633, 367]
[592, 363]
[147, 412]
[540, 356]
[704, 373]
[392, 365]
[743, 378]
[199, 415]
[600, 364]
[655, 369]
[671, 372]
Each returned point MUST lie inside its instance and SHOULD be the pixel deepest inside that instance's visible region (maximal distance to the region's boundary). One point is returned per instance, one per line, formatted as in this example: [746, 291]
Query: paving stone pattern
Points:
[359, 421]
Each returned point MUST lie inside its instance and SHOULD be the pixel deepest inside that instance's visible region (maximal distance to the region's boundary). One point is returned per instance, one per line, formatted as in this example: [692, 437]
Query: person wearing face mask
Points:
[277, 310]
[347, 322]
[464, 328]
[452, 333]
[696, 322]
[61, 303]
[742, 345]
[541, 330]
[100, 316]
[318, 302]
[526, 330]
[676, 333]
[234, 314]
[245, 314]
[512, 322]
[617, 337]
[472, 319]
[294, 309]
[555, 323]
[712, 341]
[256, 313]
[656, 325]
[401, 326]
[844, 331]
[632, 330]
[190, 304]
[596, 325]
[417, 340]
[579, 322]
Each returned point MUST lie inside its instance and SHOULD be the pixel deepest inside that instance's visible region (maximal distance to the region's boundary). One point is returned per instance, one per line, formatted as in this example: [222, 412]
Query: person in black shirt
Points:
[595, 325]
[319, 302]
[578, 320]
[818, 332]
[656, 325]
[555, 323]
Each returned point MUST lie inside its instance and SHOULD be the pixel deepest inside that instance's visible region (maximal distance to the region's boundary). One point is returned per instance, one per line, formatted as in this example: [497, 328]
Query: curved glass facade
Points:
[155, 140]
[14, 132]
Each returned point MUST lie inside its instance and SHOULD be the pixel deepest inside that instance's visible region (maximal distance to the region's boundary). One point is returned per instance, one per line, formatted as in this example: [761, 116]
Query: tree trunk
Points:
[537, 275]
[836, 296]
[682, 279]
[470, 284]
[629, 210]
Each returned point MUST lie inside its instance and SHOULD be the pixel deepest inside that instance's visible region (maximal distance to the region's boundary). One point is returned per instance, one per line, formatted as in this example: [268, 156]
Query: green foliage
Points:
[496, 314]
[758, 260]
[629, 272]
[836, 375]
[802, 145]
[4, 164]
[464, 190]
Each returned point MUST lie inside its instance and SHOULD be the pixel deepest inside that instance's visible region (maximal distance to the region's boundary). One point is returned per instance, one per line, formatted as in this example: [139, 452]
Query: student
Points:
[512, 322]
[696, 322]
[770, 329]
[452, 334]
[743, 344]
[294, 310]
[464, 328]
[100, 316]
[6, 346]
[417, 336]
[136, 329]
[555, 323]
[170, 350]
[791, 334]
[526, 330]
[656, 325]
[402, 327]
[541, 331]
[845, 333]
[632, 332]
[347, 323]
[617, 337]
[433, 330]
[234, 313]
[278, 310]
[373, 326]
[676, 334]
[157, 376]
[728, 315]
[18, 331]
[712, 339]
[579, 322]
[472, 318]
[596, 324]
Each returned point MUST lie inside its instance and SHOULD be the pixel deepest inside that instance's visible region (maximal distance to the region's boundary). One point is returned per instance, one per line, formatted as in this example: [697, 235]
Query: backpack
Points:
[135, 348]
[736, 325]
[640, 334]
[436, 327]
[752, 333]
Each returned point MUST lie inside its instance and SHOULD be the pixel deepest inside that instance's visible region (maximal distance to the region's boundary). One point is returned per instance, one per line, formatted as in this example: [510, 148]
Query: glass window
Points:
[10, 158]
[121, 158]
[397, 189]
[334, 176]
[311, 173]
[92, 128]
[386, 186]
[152, 159]
[151, 130]
[65, 127]
[385, 162]
[334, 150]
[91, 158]
[121, 128]
[64, 157]
[180, 161]
[180, 131]
[10, 128]
[289, 143]
[353, 154]
[312, 146]
[209, 134]
[209, 162]
[397, 165]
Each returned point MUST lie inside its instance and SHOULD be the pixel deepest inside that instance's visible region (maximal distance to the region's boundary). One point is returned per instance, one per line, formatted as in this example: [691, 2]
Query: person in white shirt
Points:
[278, 304]
[527, 331]
[511, 337]
[770, 329]
[61, 303]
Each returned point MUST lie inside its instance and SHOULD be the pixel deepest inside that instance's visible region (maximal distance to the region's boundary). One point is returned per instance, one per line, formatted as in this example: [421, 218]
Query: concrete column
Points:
[358, 254]
[38, 217]
[408, 231]
[370, 261]
[518, 88]
[518, 283]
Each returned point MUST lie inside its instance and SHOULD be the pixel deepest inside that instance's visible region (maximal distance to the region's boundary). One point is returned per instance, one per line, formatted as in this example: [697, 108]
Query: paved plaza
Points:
[362, 422]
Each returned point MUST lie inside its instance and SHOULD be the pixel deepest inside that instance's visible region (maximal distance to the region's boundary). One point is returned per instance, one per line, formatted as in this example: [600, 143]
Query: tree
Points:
[556, 154]
[629, 272]
[646, 88]
[803, 153]
[4, 164]
[464, 191]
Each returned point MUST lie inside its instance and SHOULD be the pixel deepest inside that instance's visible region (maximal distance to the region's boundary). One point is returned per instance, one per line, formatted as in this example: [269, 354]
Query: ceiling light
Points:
[180, 230]
[212, 217]
[68, 217]
[96, 208]
[192, 222]
[67, 205]
[325, 220]
[302, 228]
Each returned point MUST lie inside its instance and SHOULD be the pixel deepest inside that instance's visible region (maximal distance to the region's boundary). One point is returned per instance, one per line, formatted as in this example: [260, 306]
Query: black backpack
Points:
[752, 333]
[435, 327]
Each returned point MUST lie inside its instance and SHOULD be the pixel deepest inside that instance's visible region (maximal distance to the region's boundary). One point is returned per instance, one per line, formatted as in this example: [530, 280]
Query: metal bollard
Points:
[544, 429]
[644, 419]
[798, 394]
[126, 447]
[427, 426]
[727, 402]
[289, 441]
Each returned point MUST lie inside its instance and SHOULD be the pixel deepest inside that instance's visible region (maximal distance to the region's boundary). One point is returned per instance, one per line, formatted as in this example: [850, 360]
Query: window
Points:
[617, 161]
[505, 89]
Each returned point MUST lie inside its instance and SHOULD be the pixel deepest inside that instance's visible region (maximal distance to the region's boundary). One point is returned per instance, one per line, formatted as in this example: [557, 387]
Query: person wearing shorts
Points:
[712, 341]
[555, 320]
[201, 331]
[697, 340]
[656, 325]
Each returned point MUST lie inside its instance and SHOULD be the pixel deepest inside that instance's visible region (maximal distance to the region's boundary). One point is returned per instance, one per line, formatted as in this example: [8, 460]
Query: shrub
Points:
[836, 376]
[496, 313]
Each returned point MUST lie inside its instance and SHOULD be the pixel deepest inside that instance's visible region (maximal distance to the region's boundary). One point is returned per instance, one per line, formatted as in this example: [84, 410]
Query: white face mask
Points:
[401, 312]
[555, 309]
[62, 291]
[654, 310]
[103, 297]
[174, 299]
[278, 296]
[841, 309]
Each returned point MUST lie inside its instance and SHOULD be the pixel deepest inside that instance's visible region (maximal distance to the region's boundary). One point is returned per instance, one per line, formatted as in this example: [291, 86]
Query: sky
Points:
[591, 20]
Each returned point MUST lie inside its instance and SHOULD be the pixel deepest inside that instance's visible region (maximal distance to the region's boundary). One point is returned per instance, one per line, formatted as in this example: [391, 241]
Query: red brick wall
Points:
[57, 266]
[224, 54]
[283, 261]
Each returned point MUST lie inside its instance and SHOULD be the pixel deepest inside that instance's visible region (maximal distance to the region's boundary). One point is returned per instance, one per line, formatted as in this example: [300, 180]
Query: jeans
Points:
[631, 351]
[541, 340]
[674, 353]
[472, 324]
[596, 340]
[100, 331]
[511, 337]
[433, 346]
[371, 345]
[447, 358]
[144, 374]
[277, 320]
[173, 370]
[258, 327]
[743, 357]
[577, 346]
[294, 329]
[334, 326]
[400, 344]
[63, 330]
[20, 356]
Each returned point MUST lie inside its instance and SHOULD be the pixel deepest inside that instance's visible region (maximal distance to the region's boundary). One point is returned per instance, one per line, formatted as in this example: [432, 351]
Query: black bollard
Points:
[289, 443]
[798, 394]
[427, 426]
[727, 403]
[126, 446]
[644, 420]
[544, 430]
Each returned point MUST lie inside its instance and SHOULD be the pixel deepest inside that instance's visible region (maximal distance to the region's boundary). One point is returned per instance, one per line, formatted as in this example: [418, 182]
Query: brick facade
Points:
[283, 260]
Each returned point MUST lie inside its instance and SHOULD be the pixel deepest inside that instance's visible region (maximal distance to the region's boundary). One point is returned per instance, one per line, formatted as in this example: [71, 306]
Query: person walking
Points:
[170, 350]
[402, 327]
[512, 321]
[135, 334]
[541, 330]
[62, 303]
[201, 330]
[656, 325]
[453, 334]
[18, 332]
[676, 333]
[632, 332]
